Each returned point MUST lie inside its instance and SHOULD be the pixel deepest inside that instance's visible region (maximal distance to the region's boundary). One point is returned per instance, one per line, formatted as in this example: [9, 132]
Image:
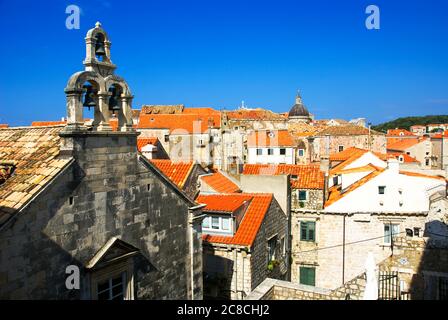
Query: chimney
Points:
[325, 164]
[393, 165]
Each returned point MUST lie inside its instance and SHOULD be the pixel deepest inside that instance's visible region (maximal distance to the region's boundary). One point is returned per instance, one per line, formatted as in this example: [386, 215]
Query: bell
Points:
[89, 100]
[113, 102]
[99, 49]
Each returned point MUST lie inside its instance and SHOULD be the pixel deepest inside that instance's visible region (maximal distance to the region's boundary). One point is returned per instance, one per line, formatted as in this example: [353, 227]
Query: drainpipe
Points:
[235, 263]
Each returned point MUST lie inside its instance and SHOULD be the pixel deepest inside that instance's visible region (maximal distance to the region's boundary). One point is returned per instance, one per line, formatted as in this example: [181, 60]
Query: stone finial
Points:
[98, 24]
[298, 98]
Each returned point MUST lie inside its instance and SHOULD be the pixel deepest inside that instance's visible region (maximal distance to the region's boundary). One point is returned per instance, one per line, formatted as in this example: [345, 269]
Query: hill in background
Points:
[407, 122]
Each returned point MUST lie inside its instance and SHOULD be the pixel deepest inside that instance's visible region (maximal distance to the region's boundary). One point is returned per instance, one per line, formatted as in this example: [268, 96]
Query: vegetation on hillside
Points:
[407, 122]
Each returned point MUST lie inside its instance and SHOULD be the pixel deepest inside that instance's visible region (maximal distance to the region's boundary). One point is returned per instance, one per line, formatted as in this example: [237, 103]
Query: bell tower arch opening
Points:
[99, 88]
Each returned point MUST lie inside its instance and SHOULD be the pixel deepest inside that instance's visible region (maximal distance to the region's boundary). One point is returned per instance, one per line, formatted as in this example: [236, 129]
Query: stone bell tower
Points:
[99, 88]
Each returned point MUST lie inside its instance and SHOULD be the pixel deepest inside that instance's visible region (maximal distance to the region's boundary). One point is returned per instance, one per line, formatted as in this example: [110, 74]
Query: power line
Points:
[349, 243]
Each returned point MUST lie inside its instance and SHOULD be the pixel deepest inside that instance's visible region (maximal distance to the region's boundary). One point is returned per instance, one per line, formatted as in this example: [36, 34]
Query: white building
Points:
[271, 147]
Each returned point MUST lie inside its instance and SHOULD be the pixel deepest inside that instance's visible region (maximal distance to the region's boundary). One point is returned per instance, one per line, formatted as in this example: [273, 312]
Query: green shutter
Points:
[307, 231]
[308, 276]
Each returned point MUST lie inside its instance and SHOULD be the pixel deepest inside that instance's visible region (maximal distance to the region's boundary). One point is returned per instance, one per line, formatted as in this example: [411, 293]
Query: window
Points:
[282, 151]
[71, 201]
[335, 180]
[381, 189]
[270, 152]
[112, 288]
[272, 246]
[294, 176]
[302, 195]
[114, 282]
[427, 162]
[307, 276]
[341, 148]
[259, 152]
[167, 138]
[389, 231]
[217, 224]
[307, 230]
[283, 246]
[225, 224]
[301, 152]
[206, 223]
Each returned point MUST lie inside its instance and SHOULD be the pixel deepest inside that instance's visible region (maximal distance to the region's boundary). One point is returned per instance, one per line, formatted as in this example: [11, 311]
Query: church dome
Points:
[299, 110]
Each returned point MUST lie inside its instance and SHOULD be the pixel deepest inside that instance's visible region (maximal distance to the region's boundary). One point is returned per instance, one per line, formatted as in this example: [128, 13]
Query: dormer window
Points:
[381, 189]
[217, 224]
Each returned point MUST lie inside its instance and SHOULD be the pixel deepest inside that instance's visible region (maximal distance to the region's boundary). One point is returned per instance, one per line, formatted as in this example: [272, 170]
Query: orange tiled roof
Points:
[402, 145]
[255, 114]
[366, 168]
[347, 153]
[251, 222]
[335, 192]
[399, 132]
[223, 202]
[141, 142]
[182, 123]
[177, 172]
[347, 130]
[406, 158]
[33, 151]
[3, 125]
[421, 175]
[220, 183]
[47, 123]
[308, 176]
[270, 138]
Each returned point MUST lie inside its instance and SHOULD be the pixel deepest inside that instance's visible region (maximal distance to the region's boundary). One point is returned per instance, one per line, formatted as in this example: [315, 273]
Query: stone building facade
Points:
[235, 264]
[85, 204]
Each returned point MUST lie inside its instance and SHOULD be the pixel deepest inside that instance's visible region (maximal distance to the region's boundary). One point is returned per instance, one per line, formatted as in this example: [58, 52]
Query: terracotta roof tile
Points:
[177, 172]
[402, 145]
[399, 132]
[347, 130]
[406, 158]
[179, 123]
[251, 222]
[421, 175]
[308, 176]
[255, 114]
[220, 183]
[335, 192]
[32, 153]
[270, 138]
[141, 142]
[4, 125]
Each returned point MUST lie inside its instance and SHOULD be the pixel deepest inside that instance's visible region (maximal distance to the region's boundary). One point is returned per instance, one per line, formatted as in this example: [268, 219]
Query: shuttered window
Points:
[307, 231]
[308, 276]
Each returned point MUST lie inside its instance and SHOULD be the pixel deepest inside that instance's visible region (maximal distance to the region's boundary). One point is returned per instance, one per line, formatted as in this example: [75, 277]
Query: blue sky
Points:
[218, 52]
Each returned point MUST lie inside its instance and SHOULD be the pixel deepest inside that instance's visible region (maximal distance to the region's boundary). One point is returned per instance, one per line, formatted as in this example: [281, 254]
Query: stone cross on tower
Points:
[98, 87]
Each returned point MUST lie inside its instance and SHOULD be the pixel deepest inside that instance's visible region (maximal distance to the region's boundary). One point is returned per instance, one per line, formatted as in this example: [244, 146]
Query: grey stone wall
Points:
[115, 194]
[275, 223]
[314, 201]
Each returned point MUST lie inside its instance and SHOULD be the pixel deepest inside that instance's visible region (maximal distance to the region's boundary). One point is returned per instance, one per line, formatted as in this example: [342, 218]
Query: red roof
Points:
[255, 114]
[399, 132]
[223, 202]
[402, 145]
[406, 158]
[177, 172]
[308, 176]
[220, 183]
[3, 125]
[141, 142]
[270, 138]
[180, 123]
[251, 222]
[47, 123]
